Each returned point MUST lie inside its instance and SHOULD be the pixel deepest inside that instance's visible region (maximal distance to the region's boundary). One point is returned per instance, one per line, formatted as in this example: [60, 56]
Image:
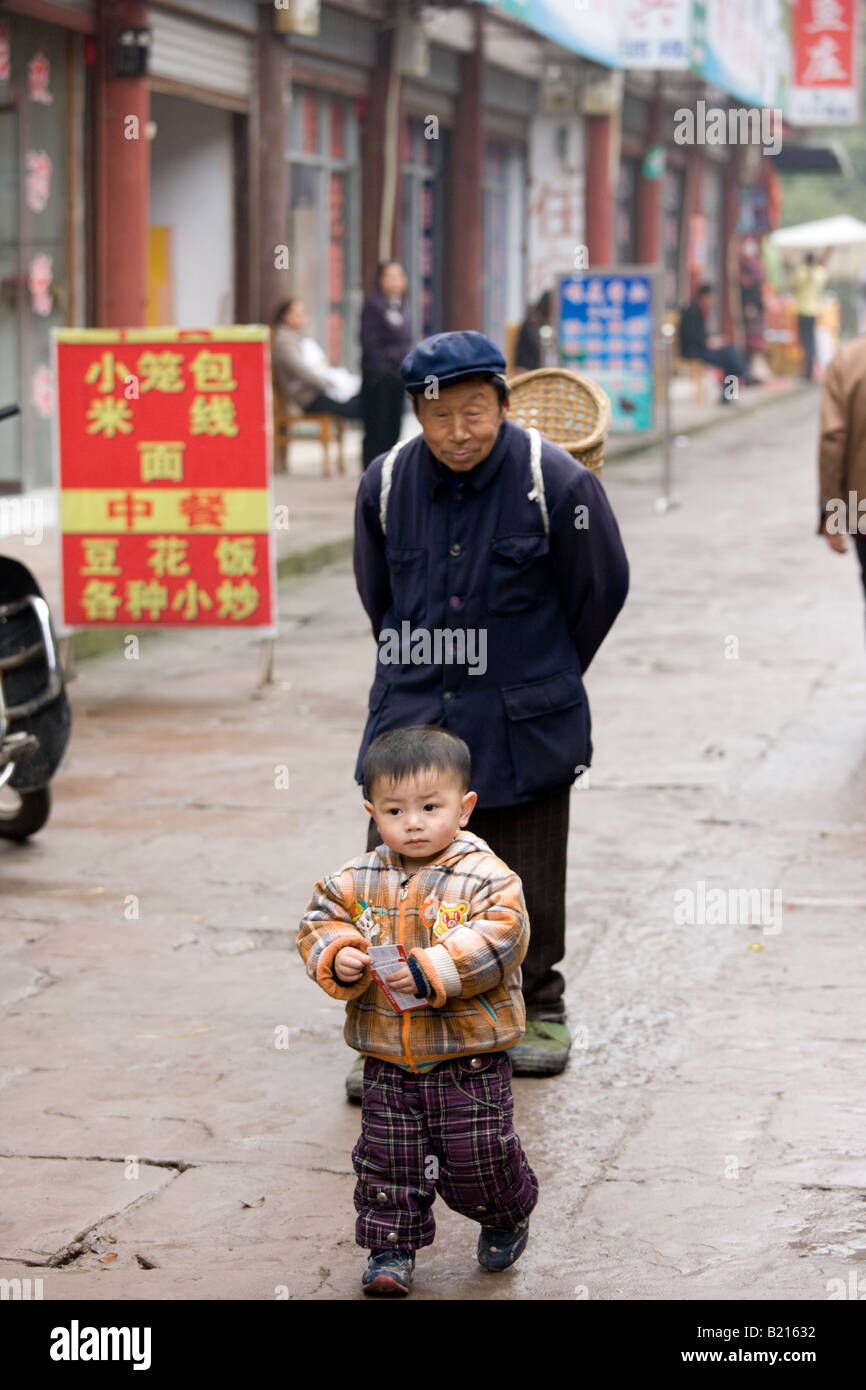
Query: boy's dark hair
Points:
[402, 753]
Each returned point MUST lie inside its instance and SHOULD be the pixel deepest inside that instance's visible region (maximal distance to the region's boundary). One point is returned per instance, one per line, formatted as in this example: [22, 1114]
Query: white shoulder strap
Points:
[537, 493]
[385, 491]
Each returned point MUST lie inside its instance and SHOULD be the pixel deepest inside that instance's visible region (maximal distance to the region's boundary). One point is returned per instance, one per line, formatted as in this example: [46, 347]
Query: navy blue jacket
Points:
[383, 344]
[468, 551]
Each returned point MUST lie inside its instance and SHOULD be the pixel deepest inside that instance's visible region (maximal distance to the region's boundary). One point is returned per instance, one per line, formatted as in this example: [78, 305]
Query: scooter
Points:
[35, 717]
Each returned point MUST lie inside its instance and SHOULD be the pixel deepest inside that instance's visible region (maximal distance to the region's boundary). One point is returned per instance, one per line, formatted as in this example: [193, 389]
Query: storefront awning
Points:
[830, 158]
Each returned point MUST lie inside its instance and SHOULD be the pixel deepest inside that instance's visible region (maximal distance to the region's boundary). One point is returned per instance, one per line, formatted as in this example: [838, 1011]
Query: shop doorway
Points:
[191, 273]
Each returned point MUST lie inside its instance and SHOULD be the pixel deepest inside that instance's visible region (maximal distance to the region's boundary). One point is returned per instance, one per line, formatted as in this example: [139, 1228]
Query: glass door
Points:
[10, 295]
[423, 211]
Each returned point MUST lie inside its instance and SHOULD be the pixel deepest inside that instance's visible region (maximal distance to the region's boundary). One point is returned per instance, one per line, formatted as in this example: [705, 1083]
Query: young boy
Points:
[437, 1107]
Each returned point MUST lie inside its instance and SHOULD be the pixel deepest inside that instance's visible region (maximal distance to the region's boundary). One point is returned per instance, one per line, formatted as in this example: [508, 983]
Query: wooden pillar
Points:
[599, 191]
[691, 275]
[378, 131]
[122, 174]
[464, 245]
[732, 318]
[270, 174]
[649, 209]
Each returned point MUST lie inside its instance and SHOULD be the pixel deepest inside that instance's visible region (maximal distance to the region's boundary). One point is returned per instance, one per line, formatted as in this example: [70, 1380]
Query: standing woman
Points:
[386, 336]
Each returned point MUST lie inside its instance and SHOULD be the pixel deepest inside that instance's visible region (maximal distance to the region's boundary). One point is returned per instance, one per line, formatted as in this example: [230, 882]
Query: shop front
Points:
[504, 221]
[673, 201]
[324, 217]
[423, 162]
[201, 81]
[41, 231]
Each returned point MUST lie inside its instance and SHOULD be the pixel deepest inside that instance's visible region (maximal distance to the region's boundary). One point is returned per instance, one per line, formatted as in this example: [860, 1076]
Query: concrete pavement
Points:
[172, 1082]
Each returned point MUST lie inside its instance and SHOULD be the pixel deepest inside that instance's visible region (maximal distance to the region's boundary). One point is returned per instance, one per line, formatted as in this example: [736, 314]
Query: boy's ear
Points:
[467, 806]
[368, 807]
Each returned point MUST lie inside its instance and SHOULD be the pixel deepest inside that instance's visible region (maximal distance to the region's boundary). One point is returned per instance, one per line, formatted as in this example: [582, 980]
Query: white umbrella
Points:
[828, 231]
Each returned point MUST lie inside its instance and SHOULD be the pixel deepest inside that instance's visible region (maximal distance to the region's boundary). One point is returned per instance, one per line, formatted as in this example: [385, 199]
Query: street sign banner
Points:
[826, 85]
[607, 331]
[655, 33]
[163, 459]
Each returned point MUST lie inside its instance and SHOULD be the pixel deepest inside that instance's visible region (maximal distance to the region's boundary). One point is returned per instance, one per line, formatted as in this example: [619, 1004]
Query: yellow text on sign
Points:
[192, 511]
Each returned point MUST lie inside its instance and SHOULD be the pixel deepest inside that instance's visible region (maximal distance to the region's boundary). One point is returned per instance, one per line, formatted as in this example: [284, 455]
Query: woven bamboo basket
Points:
[566, 408]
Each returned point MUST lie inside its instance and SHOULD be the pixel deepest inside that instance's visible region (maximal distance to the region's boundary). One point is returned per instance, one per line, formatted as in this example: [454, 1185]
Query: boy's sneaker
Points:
[389, 1272]
[497, 1249]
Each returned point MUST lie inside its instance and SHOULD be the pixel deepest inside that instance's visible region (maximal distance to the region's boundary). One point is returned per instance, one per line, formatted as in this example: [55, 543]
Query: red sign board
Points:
[823, 43]
[825, 89]
[164, 452]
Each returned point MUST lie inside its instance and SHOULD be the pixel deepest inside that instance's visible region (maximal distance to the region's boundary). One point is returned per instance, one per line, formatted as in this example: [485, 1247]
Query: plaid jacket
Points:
[462, 918]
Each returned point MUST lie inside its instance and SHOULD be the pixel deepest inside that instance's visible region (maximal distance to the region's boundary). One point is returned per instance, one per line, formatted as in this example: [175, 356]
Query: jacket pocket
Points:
[547, 730]
[519, 573]
[407, 572]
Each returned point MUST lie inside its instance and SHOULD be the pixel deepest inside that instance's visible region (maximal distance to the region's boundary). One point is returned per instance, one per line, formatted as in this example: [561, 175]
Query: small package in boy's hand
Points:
[385, 960]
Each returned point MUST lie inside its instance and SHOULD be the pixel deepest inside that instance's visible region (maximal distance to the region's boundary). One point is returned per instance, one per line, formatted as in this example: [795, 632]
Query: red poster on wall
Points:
[825, 89]
[164, 445]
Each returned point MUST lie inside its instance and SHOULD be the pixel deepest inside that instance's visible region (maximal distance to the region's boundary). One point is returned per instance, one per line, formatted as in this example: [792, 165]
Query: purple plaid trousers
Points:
[449, 1130]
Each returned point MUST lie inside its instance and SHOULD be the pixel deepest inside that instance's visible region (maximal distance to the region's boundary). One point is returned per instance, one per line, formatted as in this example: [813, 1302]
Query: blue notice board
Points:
[607, 332]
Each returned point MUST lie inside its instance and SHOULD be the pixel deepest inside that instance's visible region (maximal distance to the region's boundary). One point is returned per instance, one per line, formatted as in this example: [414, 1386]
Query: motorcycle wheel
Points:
[23, 813]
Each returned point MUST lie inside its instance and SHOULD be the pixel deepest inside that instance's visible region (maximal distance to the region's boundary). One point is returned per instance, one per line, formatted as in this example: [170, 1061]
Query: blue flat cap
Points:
[449, 357]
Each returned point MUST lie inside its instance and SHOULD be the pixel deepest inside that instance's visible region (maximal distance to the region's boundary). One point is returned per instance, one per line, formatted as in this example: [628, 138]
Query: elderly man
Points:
[491, 567]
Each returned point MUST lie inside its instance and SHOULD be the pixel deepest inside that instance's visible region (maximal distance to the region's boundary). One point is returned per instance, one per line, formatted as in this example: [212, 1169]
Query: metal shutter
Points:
[191, 54]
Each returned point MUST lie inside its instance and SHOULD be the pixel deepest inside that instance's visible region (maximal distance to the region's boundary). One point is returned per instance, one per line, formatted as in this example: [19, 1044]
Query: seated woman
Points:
[302, 371]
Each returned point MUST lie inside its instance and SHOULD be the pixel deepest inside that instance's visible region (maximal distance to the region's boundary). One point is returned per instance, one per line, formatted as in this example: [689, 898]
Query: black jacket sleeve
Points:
[588, 558]
[371, 567]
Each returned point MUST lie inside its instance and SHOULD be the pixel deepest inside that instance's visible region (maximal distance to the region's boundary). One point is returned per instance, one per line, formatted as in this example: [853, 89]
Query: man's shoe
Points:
[355, 1081]
[499, 1249]
[543, 1050]
[389, 1273]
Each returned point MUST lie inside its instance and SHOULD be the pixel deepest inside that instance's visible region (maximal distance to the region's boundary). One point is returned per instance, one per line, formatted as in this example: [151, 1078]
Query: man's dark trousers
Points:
[729, 359]
[383, 397]
[806, 331]
[532, 839]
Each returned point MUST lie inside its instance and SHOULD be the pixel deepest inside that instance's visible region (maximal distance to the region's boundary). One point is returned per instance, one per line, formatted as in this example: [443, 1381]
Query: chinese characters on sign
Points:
[606, 333]
[40, 275]
[655, 33]
[38, 180]
[825, 88]
[165, 472]
[38, 78]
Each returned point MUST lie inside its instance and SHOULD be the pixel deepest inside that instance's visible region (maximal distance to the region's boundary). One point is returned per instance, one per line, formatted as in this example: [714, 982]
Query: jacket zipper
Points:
[401, 931]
